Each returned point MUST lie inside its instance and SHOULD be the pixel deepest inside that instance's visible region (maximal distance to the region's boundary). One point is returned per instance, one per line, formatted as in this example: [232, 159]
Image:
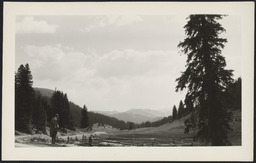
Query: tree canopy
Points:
[205, 77]
[174, 112]
[24, 96]
[181, 110]
[60, 105]
[85, 118]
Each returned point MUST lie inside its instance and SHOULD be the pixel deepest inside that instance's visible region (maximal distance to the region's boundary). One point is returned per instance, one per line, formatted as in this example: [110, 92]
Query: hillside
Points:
[175, 131]
[138, 115]
[44, 91]
[132, 115]
[75, 111]
[169, 134]
[176, 127]
[94, 117]
[168, 131]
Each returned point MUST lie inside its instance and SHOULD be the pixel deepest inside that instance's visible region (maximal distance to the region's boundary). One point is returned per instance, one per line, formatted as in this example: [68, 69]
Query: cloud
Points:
[30, 25]
[121, 78]
[130, 63]
[113, 20]
[115, 64]
[54, 62]
[133, 62]
[121, 20]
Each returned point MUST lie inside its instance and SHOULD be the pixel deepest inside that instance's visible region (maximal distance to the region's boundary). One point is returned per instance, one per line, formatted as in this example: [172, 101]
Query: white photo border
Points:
[230, 153]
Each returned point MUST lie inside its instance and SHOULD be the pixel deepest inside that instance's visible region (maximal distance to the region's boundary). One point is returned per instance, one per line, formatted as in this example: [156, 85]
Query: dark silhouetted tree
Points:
[40, 108]
[148, 124]
[205, 77]
[181, 110]
[174, 113]
[85, 118]
[191, 122]
[60, 105]
[233, 96]
[131, 125]
[24, 97]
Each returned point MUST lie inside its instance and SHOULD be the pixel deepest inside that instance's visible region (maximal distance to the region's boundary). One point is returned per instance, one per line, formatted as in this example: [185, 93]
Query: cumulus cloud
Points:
[113, 77]
[30, 25]
[128, 62]
[54, 62]
[141, 73]
[117, 20]
[117, 63]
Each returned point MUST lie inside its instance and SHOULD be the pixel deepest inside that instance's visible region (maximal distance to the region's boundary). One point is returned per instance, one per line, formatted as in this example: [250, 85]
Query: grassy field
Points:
[170, 134]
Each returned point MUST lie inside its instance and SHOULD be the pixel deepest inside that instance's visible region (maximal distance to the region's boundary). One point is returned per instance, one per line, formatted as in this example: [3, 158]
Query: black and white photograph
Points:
[115, 78]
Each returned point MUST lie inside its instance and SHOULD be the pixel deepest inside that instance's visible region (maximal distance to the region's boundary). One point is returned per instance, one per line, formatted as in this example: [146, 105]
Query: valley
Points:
[167, 135]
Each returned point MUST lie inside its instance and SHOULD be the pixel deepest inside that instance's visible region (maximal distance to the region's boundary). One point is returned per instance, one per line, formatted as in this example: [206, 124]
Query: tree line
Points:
[93, 118]
[231, 99]
[33, 111]
[176, 114]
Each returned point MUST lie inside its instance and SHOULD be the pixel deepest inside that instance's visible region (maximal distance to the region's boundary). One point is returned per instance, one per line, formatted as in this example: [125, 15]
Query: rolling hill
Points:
[132, 115]
[44, 91]
[176, 129]
[138, 115]
[75, 111]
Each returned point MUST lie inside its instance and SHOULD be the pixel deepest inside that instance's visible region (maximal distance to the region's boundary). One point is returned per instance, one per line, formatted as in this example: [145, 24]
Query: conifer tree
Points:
[60, 105]
[181, 109]
[24, 96]
[174, 113]
[85, 118]
[205, 76]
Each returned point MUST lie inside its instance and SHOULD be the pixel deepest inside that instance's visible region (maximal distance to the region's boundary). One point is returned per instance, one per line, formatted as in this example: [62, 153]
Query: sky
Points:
[113, 62]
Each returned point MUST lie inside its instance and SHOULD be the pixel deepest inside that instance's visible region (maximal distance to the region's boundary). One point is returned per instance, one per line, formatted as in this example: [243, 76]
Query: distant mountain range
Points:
[138, 115]
[76, 115]
[132, 115]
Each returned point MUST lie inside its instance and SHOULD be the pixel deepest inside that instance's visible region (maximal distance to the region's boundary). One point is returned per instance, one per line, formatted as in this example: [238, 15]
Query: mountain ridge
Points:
[136, 115]
[76, 110]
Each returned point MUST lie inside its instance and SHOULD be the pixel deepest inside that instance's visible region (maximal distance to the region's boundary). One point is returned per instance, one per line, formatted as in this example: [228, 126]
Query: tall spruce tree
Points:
[174, 113]
[85, 118]
[206, 77]
[60, 105]
[181, 109]
[24, 97]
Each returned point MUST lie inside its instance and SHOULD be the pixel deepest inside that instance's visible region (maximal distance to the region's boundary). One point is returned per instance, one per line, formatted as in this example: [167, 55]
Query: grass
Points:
[170, 134]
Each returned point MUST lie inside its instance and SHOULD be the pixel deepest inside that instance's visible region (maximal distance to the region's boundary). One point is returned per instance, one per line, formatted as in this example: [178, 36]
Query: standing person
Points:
[90, 140]
[54, 126]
